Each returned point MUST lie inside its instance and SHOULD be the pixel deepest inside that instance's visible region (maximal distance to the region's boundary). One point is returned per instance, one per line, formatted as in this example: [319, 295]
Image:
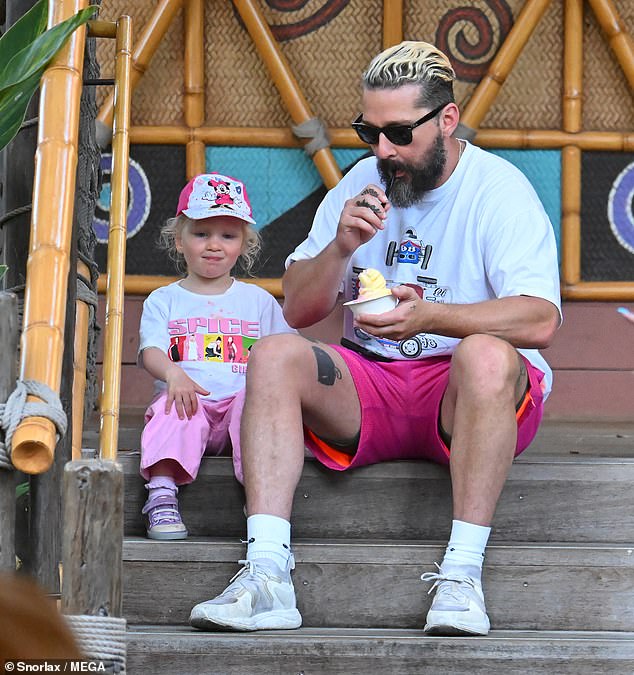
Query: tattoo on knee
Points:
[327, 371]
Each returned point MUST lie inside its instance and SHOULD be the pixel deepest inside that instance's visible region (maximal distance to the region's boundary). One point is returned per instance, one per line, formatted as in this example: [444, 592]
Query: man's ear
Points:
[449, 119]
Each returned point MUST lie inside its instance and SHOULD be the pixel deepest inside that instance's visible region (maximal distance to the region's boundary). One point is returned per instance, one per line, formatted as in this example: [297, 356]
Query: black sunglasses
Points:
[399, 134]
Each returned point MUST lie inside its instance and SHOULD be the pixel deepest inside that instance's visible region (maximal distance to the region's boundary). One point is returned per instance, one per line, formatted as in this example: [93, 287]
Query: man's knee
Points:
[275, 352]
[487, 362]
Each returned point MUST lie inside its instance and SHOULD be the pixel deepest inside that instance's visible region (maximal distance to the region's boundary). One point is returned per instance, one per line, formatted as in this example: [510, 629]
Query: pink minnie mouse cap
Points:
[212, 194]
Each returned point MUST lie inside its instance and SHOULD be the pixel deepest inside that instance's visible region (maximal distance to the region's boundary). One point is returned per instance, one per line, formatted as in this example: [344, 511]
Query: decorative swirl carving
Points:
[471, 58]
[326, 13]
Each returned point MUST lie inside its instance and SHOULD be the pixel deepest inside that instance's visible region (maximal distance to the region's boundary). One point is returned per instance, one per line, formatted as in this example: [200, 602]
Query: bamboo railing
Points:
[115, 289]
[48, 263]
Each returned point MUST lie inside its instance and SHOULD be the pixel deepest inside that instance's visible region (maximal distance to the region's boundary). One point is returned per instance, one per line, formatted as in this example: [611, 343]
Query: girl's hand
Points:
[183, 392]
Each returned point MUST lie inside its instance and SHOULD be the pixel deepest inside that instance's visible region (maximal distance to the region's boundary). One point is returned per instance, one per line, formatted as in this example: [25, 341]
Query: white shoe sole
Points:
[453, 623]
[280, 619]
[166, 536]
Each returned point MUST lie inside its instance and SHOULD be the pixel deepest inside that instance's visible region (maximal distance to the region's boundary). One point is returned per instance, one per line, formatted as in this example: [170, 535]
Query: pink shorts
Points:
[400, 404]
[213, 430]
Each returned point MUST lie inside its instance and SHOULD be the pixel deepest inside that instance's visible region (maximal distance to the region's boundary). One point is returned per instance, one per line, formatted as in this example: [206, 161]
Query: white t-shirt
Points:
[481, 235]
[210, 336]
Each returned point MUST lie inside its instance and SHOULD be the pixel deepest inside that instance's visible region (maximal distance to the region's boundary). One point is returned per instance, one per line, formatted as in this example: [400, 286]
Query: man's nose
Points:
[383, 148]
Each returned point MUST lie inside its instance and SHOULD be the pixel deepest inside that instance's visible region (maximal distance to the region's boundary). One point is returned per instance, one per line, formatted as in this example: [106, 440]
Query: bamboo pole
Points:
[42, 342]
[573, 66]
[139, 284]
[148, 42]
[113, 329]
[194, 99]
[571, 214]
[535, 138]
[614, 141]
[392, 22]
[488, 88]
[606, 291]
[285, 82]
[102, 29]
[571, 154]
[82, 316]
[618, 38]
[600, 290]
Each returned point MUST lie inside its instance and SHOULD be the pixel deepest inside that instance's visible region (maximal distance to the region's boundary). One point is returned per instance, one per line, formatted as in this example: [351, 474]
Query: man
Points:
[452, 374]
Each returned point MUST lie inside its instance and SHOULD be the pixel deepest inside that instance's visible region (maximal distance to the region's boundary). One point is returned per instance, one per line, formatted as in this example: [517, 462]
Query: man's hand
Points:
[182, 392]
[404, 321]
[361, 218]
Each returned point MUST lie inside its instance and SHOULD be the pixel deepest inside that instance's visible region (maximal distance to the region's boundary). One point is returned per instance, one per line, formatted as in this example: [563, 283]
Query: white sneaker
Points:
[458, 606]
[259, 597]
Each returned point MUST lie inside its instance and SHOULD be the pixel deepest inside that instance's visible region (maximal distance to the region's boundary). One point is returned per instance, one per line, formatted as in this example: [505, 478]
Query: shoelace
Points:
[164, 515]
[251, 568]
[439, 577]
[248, 567]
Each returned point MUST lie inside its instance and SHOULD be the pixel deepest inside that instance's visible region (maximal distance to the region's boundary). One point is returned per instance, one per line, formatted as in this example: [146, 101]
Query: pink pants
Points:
[213, 430]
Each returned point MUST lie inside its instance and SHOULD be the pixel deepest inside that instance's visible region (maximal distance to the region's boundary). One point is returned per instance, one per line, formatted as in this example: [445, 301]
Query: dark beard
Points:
[422, 178]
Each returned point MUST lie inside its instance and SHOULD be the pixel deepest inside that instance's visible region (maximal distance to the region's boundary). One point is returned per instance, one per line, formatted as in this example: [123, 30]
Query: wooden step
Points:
[555, 437]
[345, 651]
[562, 498]
[376, 584]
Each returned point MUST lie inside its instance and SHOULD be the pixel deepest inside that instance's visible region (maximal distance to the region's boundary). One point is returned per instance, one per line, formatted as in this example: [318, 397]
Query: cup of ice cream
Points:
[374, 296]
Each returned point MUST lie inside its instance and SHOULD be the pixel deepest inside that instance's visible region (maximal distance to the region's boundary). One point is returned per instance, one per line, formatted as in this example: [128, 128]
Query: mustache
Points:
[390, 167]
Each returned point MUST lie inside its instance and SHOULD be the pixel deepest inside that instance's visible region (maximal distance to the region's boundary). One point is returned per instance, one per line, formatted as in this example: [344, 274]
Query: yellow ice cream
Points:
[372, 285]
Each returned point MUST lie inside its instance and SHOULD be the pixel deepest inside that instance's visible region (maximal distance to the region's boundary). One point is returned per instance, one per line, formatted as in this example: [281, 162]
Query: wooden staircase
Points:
[558, 577]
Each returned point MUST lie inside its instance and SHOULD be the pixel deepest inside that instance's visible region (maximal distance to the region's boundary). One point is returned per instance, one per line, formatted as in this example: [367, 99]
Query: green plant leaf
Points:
[21, 489]
[3, 271]
[23, 32]
[13, 104]
[36, 56]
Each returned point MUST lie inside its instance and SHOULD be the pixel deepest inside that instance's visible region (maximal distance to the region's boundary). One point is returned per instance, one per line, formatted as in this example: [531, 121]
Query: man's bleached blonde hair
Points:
[413, 63]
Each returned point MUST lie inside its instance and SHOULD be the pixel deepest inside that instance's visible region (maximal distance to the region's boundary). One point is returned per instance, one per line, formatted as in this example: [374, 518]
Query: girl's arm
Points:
[181, 389]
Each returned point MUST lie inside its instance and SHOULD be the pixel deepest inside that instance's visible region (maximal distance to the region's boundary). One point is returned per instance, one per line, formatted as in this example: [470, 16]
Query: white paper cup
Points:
[386, 303]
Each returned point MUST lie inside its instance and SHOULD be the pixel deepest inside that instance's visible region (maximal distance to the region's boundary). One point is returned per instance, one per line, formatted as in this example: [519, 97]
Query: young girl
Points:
[191, 332]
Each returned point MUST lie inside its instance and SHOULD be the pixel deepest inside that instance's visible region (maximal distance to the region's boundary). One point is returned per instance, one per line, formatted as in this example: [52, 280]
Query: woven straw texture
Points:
[328, 43]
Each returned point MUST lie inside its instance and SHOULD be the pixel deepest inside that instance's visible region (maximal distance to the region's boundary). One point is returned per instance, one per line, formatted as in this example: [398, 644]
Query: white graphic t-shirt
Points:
[481, 235]
[210, 336]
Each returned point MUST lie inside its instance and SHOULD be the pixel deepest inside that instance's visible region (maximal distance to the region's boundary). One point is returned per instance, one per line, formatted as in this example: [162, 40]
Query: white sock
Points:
[466, 548]
[269, 537]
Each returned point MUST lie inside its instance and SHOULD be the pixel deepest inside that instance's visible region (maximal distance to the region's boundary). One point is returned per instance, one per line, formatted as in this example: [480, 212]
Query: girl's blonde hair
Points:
[251, 243]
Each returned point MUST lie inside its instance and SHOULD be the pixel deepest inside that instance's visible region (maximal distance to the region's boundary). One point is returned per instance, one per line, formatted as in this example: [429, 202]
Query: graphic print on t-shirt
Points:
[231, 342]
[428, 289]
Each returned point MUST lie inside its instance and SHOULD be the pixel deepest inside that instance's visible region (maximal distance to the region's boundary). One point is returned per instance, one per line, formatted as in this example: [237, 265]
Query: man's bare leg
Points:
[291, 380]
[486, 379]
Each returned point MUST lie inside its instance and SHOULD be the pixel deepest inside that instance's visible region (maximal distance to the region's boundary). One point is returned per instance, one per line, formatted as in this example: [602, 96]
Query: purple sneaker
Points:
[163, 519]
